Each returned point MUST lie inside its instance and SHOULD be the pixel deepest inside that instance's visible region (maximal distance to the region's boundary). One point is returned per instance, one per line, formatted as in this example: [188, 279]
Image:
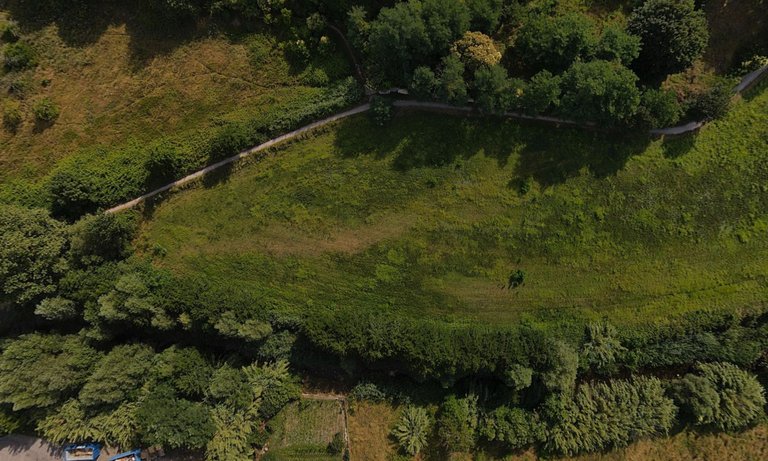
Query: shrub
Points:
[45, 110]
[337, 444]
[710, 104]
[72, 194]
[452, 88]
[10, 32]
[381, 110]
[228, 141]
[102, 237]
[12, 115]
[174, 423]
[412, 429]
[18, 56]
[491, 89]
[658, 109]
[559, 367]
[616, 44]
[163, 163]
[720, 395]
[602, 347]
[673, 34]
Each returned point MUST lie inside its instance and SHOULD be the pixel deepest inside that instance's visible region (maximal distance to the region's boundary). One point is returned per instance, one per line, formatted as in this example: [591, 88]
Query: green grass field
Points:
[430, 215]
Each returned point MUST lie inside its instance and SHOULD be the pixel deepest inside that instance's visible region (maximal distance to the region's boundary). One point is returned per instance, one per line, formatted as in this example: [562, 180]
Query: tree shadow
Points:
[151, 33]
[677, 146]
[548, 154]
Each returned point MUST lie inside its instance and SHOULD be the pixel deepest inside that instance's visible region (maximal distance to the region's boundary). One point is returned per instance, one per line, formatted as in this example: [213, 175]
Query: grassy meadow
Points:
[122, 80]
[431, 215]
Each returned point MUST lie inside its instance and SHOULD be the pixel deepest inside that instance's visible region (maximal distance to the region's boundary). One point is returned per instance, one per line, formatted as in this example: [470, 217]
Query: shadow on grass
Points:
[152, 33]
[547, 154]
[678, 146]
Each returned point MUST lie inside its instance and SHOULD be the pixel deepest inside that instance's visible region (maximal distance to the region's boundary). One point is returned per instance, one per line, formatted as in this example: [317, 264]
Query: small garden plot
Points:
[308, 430]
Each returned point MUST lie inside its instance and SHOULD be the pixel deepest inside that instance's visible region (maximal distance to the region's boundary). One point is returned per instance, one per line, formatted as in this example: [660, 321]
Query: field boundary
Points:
[747, 82]
[342, 400]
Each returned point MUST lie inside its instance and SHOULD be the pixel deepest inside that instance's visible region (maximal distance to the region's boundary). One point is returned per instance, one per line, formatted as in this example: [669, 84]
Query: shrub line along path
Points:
[747, 82]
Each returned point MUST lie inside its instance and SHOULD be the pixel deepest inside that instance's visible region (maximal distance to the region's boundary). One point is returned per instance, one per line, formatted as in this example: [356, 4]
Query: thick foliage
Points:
[515, 428]
[673, 34]
[600, 91]
[608, 415]
[412, 429]
[457, 423]
[720, 395]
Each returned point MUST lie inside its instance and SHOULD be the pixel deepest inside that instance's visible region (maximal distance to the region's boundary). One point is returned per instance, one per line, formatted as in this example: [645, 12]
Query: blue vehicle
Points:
[133, 455]
[82, 452]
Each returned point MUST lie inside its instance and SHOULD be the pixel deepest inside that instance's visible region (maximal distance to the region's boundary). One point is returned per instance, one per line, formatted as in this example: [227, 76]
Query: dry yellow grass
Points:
[369, 427]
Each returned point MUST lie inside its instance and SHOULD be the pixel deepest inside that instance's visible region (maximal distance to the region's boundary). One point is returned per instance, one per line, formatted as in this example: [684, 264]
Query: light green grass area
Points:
[430, 215]
[303, 430]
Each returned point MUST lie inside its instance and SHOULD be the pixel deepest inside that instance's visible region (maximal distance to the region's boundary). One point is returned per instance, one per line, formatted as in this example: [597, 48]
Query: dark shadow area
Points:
[219, 175]
[548, 154]
[152, 32]
[677, 146]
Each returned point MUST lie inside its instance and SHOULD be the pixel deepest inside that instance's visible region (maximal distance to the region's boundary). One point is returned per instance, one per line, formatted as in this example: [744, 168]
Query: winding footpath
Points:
[746, 83]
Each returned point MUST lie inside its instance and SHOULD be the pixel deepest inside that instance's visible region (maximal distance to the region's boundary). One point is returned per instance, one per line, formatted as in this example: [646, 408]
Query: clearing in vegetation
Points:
[305, 430]
[434, 215]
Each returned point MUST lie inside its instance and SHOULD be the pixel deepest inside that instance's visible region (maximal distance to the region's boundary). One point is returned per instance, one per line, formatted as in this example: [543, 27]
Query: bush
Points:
[18, 56]
[45, 110]
[368, 392]
[602, 347]
[337, 445]
[412, 430]
[228, 141]
[720, 395]
[710, 104]
[673, 34]
[555, 43]
[164, 163]
[12, 115]
[452, 88]
[102, 237]
[492, 89]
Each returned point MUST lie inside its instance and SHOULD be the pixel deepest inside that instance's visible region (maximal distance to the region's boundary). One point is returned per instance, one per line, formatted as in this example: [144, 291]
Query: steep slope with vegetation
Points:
[507, 287]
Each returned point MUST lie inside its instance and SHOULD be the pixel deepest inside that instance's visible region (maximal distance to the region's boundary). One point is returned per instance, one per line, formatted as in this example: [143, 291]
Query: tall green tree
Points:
[673, 34]
[600, 91]
[39, 371]
[32, 254]
[492, 89]
[452, 87]
[457, 423]
[554, 43]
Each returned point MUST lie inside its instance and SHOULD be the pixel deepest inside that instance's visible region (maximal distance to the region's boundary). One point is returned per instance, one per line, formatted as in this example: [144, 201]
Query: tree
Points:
[607, 415]
[492, 89]
[40, 371]
[514, 427]
[171, 422]
[57, 308]
[561, 365]
[452, 87]
[457, 423]
[518, 377]
[711, 103]
[118, 376]
[658, 109]
[134, 299]
[233, 428]
[72, 193]
[673, 34]
[616, 44]
[541, 94]
[485, 14]
[276, 384]
[412, 429]
[720, 395]
[600, 91]
[555, 43]
[102, 237]
[185, 369]
[32, 247]
[358, 27]
[601, 347]
[18, 56]
[476, 50]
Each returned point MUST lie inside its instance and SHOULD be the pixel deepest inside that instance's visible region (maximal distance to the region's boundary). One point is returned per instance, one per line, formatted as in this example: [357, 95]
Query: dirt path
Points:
[26, 448]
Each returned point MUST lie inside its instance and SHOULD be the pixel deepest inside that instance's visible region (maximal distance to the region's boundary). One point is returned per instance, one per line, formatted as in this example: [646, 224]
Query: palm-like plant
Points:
[412, 429]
